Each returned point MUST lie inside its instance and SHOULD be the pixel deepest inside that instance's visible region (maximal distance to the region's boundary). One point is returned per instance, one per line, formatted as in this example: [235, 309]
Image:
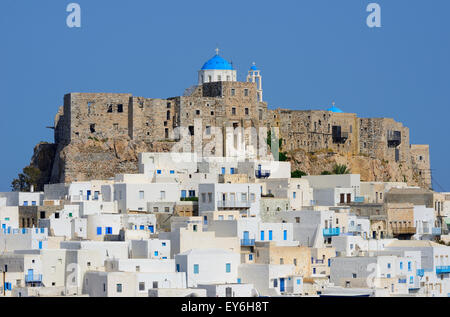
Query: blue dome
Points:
[217, 62]
[335, 109]
[254, 67]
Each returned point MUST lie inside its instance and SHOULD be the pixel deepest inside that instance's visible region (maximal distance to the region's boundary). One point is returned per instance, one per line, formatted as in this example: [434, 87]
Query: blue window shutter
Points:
[228, 267]
[262, 235]
[156, 253]
[196, 268]
[40, 244]
[270, 235]
[142, 227]
[183, 194]
[239, 281]
[172, 172]
[158, 171]
[151, 228]
[99, 231]
[285, 234]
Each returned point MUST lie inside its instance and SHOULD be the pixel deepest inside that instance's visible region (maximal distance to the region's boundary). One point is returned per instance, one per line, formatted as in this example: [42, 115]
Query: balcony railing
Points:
[33, 278]
[403, 230]
[247, 242]
[331, 232]
[233, 204]
[442, 269]
[262, 173]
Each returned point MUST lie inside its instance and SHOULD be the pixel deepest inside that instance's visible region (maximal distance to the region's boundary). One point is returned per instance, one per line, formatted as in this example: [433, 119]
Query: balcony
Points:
[233, 204]
[394, 138]
[33, 278]
[403, 230]
[331, 232]
[247, 242]
[442, 269]
[262, 173]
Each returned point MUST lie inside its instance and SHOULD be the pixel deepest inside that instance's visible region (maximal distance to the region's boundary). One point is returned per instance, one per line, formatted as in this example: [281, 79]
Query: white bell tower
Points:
[254, 76]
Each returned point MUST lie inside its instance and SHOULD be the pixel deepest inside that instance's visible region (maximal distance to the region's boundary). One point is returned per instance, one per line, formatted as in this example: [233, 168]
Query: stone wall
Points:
[100, 134]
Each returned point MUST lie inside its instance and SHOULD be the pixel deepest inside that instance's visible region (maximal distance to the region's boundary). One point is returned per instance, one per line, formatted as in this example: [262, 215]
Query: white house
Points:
[200, 269]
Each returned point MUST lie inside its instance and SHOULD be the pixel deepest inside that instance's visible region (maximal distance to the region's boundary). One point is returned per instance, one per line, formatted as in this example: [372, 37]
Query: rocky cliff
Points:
[102, 159]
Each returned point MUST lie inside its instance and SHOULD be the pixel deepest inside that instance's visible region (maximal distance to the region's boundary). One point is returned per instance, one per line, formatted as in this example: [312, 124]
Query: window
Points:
[409, 266]
[246, 92]
[208, 130]
[246, 111]
[196, 268]
[108, 230]
[233, 92]
[250, 257]
[401, 265]
[142, 286]
[172, 172]
[197, 112]
[141, 194]
[284, 234]
[163, 194]
[99, 231]
[233, 111]
[119, 108]
[156, 253]
[119, 288]
[270, 235]
[389, 265]
[228, 268]
[166, 209]
[262, 235]
[33, 203]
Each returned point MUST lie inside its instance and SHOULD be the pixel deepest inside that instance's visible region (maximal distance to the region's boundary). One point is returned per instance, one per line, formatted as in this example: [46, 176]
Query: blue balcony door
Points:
[282, 287]
[246, 236]
[30, 274]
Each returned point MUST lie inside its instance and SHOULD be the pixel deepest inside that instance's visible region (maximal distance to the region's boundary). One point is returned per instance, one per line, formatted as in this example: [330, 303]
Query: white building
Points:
[200, 269]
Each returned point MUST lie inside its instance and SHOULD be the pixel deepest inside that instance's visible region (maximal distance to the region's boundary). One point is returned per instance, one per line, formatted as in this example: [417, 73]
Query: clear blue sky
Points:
[311, 52]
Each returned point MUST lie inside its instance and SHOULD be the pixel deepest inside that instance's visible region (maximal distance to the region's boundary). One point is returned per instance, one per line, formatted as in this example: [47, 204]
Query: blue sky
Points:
[311, 52]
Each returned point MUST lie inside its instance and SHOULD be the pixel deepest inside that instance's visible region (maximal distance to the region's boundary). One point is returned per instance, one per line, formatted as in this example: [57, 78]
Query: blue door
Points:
[30, 274]
[232, 170]
[183, 194]
[282, 288]
[246, 236]
[88, 194]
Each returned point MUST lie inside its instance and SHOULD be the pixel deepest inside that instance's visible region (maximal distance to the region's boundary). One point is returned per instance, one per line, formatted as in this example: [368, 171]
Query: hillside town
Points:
[224, 227]
[212, 194]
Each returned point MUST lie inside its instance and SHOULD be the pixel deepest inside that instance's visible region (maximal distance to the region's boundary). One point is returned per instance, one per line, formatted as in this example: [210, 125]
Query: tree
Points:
[340, 169]
[29, 177]
[298, 174]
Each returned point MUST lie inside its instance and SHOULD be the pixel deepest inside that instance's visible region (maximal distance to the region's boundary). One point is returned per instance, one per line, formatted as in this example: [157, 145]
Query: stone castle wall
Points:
[144, 122]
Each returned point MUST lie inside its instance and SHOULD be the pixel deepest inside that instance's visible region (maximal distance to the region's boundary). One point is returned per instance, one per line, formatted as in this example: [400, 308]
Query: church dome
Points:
[217, 63]
[254, 67]
[335, 109]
